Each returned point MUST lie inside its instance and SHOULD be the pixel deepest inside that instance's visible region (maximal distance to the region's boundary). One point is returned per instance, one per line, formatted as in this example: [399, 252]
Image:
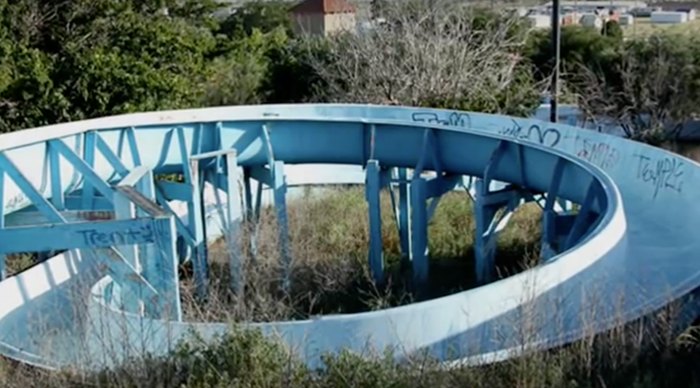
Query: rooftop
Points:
[323, 6]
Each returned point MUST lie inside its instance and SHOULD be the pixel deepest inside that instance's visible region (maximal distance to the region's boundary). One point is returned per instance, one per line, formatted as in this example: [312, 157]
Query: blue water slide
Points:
[85, 193]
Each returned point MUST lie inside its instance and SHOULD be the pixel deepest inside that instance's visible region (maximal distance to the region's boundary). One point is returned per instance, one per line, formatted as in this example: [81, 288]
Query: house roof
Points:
[323, 6]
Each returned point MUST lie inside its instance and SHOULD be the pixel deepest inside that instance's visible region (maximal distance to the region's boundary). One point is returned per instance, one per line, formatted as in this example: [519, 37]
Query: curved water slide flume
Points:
[632, 254]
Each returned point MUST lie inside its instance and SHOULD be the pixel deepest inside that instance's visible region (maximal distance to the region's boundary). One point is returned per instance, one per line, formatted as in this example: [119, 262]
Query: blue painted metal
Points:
[77, 235]
[404, 216]
[279, 188]
[373, 188]
[232, 231]
[192, 233]
[160, 257]
[56, 187]
[224, 176]
[419, 233]
[111, 157]
[83, 168]
[489, 222]
[601, 251]
[168, 191]
[124, 209]
[3, 272]
[196, 225]
[133, 146]
[89, 158]
[26, 187]
[583, 220]
[273, 177]
[556, 226]
[31, 217]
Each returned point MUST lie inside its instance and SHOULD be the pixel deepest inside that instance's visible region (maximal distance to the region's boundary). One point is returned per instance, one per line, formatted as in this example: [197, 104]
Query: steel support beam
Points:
[89, 148]
[280, 198]
[124, 209]
[195, 222]
[232, 224]
[554, 223]
[113, 242]
[251, 206]
[77, 235]
[487, 206]
[136, 198]
[272, 176]
[421, 190]
[113, 159]
[224, 176]
[563, 229]
[3, 271]
[161, 268]
[89, 175]
[419, 233]
[492, 211]
[376, 179]
[404, 219]
[585, 218]
[193, 233]
[56, 187]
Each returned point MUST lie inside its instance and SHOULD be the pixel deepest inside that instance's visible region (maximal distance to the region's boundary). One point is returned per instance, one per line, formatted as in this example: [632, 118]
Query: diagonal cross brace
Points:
[124, 273]
[117, 265]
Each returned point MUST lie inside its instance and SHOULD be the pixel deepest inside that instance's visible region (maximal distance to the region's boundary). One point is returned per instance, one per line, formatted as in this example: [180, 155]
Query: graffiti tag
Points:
[598, 153]
[140, 235]
[15, 202]
[663, 174]
[457, 119]
[548, 136]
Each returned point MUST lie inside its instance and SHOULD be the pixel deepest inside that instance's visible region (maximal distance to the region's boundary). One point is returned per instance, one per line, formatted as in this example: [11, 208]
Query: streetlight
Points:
[556, 32]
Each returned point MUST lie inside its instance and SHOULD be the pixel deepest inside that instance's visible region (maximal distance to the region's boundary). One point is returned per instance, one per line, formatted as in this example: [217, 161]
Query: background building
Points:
[323, 17]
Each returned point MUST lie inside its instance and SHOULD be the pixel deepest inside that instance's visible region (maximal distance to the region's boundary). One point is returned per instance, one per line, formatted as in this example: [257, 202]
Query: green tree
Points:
[292, 76]
[28, 95]
[85, 58]
[238, 77]
[580, 46]
[262, 15]
[136, 62]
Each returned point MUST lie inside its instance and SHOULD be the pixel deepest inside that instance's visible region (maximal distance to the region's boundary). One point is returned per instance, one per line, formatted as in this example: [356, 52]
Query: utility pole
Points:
[556, 32]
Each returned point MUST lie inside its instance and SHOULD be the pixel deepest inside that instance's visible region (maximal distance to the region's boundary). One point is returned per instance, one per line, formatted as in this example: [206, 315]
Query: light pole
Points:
[556, 32]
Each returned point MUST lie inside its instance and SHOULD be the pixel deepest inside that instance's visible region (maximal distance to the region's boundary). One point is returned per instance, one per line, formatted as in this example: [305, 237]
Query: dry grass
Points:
[648, 353]
[329, 239]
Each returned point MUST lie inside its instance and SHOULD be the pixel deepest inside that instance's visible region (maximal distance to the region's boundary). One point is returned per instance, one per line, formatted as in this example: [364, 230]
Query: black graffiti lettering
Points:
[458, 119]
[428, 117]
[598, 153]
[96, 238]
[549, 136]
[455, 119]
[664, 174]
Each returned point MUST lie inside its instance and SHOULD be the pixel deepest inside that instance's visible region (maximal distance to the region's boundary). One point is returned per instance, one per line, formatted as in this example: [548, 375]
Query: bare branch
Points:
[426, 52]
[650, 94]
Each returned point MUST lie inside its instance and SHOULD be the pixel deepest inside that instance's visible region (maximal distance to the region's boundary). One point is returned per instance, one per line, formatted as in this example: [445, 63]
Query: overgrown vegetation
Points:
[329, 239]
[643, 355]
[69, 60]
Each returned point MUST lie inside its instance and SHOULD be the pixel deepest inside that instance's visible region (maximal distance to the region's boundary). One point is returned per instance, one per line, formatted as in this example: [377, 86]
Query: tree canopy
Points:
[77, 59]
